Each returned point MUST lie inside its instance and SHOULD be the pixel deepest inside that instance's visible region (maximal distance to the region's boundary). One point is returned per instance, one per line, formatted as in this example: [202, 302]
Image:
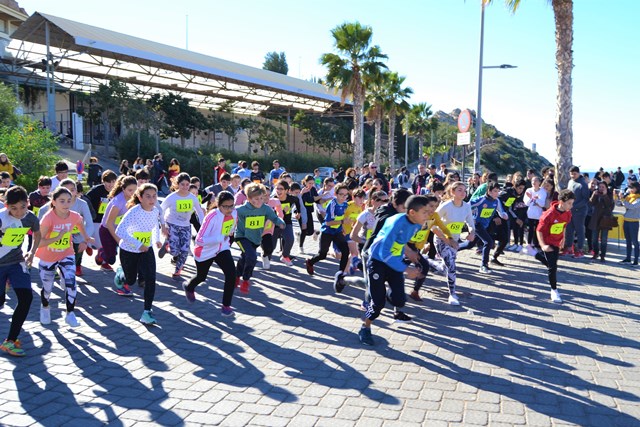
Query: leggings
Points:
[325, 243]
[21, 284]
[267, 245]
[67, 274]
[550, 260]
[631, 236]
[518, 231]
[109, 246]
[179, 243]
[448, 255]
[225, 262]
[532, 237]
[310, 227]
[131, 263]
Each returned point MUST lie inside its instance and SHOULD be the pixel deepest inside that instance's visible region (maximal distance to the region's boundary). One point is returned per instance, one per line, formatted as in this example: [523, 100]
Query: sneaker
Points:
[518, 248]
[45, 315]
[365, 336]
[147, 318]
[301, 250]
[497, 262]
[99, 259]
[119, 279]
[578, 254]
[485, 270]
[529, 250]
[227, 311]
[177, 274]
[286, 261]
[72, 320]
[12, 348]
[400, 317]
[174, 260]
[555, 296]
[266, 263]
[124, 291]
[309, 266]
[567, 251]
[453, 300]
[244, 287]
[106, 267]
[189, 295]
[415, 295]
[338, 283]
[162, 252]
[89, 251]
[625, 261]
[79, 271]
[315, 236]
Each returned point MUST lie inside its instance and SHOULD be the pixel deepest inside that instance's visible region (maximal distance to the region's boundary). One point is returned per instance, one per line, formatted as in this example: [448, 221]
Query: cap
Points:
[432, 166]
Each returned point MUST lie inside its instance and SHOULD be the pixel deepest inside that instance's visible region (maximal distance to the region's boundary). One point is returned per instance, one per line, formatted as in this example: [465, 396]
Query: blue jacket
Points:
[335, 212]
[388, 246]
[484, 210]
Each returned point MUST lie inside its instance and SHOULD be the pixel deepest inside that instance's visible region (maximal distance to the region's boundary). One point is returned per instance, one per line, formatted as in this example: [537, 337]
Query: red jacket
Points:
[552, 224]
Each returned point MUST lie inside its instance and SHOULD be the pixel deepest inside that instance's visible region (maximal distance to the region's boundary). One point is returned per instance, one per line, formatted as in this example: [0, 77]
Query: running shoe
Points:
[45, 315]
[266, 263]
[496, 261]
[567, 251]
[98, 258]
[227, 311]
[415, 295]
[72, 320]
[400, 317]
[309, 266]
[106, 267]
[12, 348]
[485, 270]
[79, 271]
[338, 283]
[453, 300]
[119, 279]
[625, 261]
[147, 318]
[578, 254]
[555, 296]
[163, 250]
[124, 291]
[634, 262]
[177, 274]
[365, 336]
[301, 250]
[286, 261]
[512, 247]
[89, 251]
[189, 295]
[518, 248]
[244, 287]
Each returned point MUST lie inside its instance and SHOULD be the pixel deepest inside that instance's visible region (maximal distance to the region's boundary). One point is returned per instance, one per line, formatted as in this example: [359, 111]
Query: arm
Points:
[88, 219]
[198, 208]
[111, 222]
[211, 231]
[355, 231]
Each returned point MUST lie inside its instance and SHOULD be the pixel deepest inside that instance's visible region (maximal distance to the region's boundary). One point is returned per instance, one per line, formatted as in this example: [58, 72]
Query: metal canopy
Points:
[84, 56]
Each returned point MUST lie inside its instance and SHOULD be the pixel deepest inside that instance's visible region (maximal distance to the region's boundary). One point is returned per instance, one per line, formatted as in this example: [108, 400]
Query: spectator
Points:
[373, 173]
[403, 179]
[159, 170]
[62, 172]
[618, 178]
[219, 170]
[138, 164]
[174, 168]
[7, 166]
[243, 170]
[275, 173]
[580, 188]
[94, 172]
[420, 180]
[223, 185]
[433, 175]
[124, 167]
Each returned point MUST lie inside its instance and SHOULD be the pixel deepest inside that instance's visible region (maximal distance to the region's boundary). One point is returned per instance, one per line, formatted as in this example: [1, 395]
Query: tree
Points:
[395, 103]
[374, 111]
[276, 62]
[250, 126]
[563, 14]
[348, 70]
[180, 118]
[8, 105]
[417, 122]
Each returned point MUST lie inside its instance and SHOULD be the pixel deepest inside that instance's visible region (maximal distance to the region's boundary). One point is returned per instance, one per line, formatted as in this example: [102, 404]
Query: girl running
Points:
[288, 202]
[309, 196]
[138, 232]
[213, 245]
[55, 252]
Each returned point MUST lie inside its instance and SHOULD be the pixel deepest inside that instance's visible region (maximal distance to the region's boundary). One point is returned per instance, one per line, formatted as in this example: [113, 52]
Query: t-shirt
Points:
[177, 209]
[56, 226]
[368, 221]
[98, 196]
[455, 217]
[120, 203]
[12, 234]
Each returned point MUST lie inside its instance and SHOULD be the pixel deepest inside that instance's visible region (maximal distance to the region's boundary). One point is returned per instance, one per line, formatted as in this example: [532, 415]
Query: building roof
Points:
[86, 56]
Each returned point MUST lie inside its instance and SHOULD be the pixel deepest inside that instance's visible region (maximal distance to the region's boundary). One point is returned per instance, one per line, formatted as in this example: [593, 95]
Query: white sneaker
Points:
[485, 270]
[72, 320]
[45, 315]
[555, 296]
[453, 300]
[518, 248]
[266, 263]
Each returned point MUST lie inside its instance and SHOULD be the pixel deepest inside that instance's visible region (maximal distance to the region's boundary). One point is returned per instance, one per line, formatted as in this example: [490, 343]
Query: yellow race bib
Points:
[118, 219]
[509, 201]
[420, 236]
[557, 228]
[36, 211]
[486, 213]
[455, 227]
[184, 205]
[286, 208]
[102, 208]
[143, 237]
[337, 218]
[396, 249]
[63, 243]
[369, 233]
[254, 222]
[227, 226]
[14, 236]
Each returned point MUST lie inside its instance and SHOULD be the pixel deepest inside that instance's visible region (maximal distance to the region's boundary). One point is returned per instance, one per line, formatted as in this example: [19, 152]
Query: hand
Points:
[91, 241]
[547, 248]
[497, 220]
[426, 248]
[28, 258]
[282, 227]
[412, 272]
[158, 245]
[144, 248]
[519, 222]
[471, 237]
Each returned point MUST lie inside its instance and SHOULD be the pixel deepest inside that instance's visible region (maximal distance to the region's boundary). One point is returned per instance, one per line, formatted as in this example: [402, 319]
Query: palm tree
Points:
[417, 122]
[395, 104]
[348, 70]
[563, 14]
[374, 111]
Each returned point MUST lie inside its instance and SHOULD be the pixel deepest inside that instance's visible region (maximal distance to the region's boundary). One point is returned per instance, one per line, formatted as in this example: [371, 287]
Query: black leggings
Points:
[267, 245]
[145, 262]
[325, 243]
[532, 237]
[225, 262]
[25, 296]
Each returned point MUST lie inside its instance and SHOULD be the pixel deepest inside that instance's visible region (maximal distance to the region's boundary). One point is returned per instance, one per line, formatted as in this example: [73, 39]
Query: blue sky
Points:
[435, 44]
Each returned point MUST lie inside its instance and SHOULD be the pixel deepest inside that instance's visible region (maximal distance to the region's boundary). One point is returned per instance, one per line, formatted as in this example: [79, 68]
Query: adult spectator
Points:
[402, 179]
[632, 176]
[94, 172]
[159, 170]
[124, 167]
[375, 174]
[531, 173]
[174, 168]
[7, 166]
[275, 173]
[618, 178]
[62, 172]
[421, 179]
[433, 174]
[219, 170]
[580, 188]
[443, 170]
[350, 179]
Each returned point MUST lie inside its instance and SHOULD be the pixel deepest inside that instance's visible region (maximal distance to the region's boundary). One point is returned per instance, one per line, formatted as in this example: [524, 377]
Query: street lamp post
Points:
[476, 157]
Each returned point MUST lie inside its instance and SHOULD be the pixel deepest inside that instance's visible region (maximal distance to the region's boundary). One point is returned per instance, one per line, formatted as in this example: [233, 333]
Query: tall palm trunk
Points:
[420, 147]
[563, 12]
[392, 137]
[358, 117]
[378, 139]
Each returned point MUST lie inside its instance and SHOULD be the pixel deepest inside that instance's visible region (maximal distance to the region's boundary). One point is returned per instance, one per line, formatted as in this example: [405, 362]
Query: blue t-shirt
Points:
[388, 246]
[335, 212]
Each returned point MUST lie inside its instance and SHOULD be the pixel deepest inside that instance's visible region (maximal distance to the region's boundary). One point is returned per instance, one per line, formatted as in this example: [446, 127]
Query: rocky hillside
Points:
[499, 152]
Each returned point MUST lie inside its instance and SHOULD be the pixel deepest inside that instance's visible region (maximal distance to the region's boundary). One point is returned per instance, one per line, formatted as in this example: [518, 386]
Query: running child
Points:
[288, 202]
[309, 196]
[485, 209]
[15, 222]
[38, 199]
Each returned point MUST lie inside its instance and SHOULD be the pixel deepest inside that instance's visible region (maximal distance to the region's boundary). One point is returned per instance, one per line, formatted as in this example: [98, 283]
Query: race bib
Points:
[486, 213]
[286, 208]
[61, 244]
[227, 226]
[257, 181]
[420, 236]
[36, 211]
[102, 208]
[369, 233]
[254, 222]
[75, 230]
[338, 218]
[396, 249]
[118, 219]
[308, 204]
[14, 236]
[199, 199]
[509, 201]
[455, 227]
[184, 205]
[143, 237]
[557, 228]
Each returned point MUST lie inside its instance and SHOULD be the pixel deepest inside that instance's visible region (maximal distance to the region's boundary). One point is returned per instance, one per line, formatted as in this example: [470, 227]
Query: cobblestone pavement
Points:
[291, 356]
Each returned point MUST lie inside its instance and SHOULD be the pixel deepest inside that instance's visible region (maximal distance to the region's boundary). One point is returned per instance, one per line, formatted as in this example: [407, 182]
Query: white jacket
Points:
[535, 200]
[210, 240]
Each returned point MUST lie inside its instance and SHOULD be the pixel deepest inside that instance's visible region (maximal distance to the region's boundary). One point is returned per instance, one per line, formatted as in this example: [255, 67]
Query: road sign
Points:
[464, 138]
[464, 121]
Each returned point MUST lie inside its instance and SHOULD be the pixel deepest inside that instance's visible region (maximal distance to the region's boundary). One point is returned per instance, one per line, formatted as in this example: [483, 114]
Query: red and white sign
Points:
[464, 121]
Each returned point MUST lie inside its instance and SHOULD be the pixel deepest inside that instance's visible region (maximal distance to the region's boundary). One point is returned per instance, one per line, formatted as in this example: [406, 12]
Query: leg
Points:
[148, 260]
[68, 275]
[604, 240]
[448, 255]
[580, 229]
[109, 246]
[130, 263]
[248, 259]
[47, 276]
[626, 227]
[325, 243]
[21, 284]
[487, 242]
[341, 243]
[225, 262]
[287, 240]
[377, 272]
[593, 242]
[267, 245]
[202, 269]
